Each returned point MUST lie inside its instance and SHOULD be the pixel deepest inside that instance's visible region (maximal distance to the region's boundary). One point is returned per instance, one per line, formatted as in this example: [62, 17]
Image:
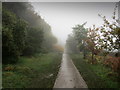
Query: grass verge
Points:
[38, 71]
[96, 76]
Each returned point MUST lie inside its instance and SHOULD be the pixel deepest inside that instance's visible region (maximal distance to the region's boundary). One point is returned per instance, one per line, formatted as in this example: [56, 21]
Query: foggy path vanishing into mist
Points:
[68, 76]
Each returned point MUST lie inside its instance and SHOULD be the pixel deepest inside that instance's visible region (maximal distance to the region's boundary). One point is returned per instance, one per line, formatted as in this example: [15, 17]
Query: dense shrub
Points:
[24, 32]
[13, 36]
[113, 63]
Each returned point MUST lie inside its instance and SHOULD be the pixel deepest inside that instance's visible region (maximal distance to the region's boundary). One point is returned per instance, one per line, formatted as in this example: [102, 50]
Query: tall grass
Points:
[96, 76]
[38, 71]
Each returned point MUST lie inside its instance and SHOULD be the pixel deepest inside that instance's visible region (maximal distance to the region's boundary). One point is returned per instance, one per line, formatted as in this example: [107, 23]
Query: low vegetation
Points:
[38, 71]
[95, 75]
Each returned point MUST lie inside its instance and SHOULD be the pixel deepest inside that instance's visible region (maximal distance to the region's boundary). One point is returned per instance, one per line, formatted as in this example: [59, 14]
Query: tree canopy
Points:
[24, 32]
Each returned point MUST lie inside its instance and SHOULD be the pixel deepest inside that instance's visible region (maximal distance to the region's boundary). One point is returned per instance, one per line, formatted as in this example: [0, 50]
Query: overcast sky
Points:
[63, 16]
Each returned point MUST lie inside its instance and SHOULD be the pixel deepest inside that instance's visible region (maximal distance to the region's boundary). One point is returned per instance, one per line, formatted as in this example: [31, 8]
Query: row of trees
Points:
[24, 32]
[98, 44]
[105, 38]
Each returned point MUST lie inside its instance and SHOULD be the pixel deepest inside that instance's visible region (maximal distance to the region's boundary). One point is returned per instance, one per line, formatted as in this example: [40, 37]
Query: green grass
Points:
[96, 76]
[0, 75]
[38, 71]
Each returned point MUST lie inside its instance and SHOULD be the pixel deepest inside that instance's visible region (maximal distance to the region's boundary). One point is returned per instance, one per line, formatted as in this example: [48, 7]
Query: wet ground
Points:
[68, 76]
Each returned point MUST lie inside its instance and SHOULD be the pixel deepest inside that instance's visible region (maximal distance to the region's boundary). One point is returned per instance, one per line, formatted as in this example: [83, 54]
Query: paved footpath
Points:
[68, 76]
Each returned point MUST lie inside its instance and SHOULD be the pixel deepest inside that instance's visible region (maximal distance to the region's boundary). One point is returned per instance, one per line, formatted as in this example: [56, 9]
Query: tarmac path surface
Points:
[68, 76]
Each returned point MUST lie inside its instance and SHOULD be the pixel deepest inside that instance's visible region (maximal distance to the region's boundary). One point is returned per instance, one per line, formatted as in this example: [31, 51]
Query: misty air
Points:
[60, 45]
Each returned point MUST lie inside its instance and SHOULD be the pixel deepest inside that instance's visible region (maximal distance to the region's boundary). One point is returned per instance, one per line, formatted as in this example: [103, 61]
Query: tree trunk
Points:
[84, 54]
[92, 58]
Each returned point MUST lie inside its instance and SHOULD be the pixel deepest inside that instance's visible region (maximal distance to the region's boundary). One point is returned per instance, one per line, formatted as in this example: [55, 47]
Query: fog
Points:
[63, 16]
